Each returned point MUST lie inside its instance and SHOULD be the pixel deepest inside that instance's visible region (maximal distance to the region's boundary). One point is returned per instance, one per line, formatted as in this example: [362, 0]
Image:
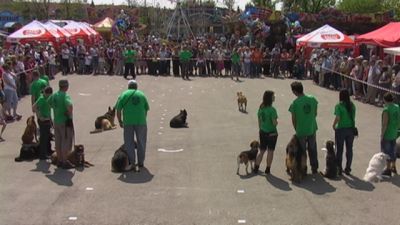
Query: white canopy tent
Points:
[392, 51]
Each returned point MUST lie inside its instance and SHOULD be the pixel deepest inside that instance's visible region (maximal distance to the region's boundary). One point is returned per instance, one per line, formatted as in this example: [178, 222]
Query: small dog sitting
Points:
[28, 152]
[331, 170]
[375, 168]
[242, 102]
[248, 156]
[179, 120]
[30, 132]
[296, 160]
[120, 160]
[76, 157]
[105, 122]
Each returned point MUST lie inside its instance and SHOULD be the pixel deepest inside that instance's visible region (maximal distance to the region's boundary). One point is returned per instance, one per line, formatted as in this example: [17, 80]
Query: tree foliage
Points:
[264, 3]
[394, 5]
[361, 6]
[308, 6]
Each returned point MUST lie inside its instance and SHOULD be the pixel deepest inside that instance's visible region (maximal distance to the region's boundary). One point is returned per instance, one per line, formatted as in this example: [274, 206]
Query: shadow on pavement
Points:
[278, 182]
[143, 176]
[42, 166]
[396, 180]
[316, 184]
[61, 177]
[247, 176]
[357, 183]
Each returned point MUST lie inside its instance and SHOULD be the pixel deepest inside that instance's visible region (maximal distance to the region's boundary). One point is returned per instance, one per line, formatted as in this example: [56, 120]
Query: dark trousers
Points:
[175, 67]
[64, 66]
[208, 67]
[309, 143]
[185, 70]
[110, 62]
[344, 136]
[130, 70]
[44, 138]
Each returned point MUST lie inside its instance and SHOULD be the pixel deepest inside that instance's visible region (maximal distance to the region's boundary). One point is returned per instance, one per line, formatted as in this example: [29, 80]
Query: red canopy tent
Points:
[386, 36]
[66, 36]
[34, 31]
[325, 37]
[78, 31]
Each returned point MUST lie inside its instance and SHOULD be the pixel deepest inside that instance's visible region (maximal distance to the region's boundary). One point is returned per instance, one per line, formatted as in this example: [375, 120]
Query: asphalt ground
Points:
[198, 185]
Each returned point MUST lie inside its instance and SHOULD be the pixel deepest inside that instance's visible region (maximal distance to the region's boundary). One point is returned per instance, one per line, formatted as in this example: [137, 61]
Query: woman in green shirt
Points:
[343, 125]
[267, 122]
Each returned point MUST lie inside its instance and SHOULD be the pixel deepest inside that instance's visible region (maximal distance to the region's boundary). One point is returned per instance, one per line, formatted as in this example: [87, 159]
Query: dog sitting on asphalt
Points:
[375, 168]
[28, 152]
[76, 157]
[179, 120]
[30, 132]
[120, 160]
[296, 160]
[242, 102]
[248, 156]
[105, 122]
[331, 170]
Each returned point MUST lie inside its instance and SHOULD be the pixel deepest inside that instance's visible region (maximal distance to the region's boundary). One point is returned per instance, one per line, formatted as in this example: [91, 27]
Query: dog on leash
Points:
[242, 102]
[105, 122]
[331, 170]
[248, 156]
[296, 160]
[120, 160]
[30, 132]
[76, 157]
[28, 152]
[179, 120]
[375, 168]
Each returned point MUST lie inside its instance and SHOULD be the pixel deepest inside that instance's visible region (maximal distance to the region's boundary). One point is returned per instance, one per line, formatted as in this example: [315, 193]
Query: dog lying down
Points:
[375, 168]
[105, 122]
[76, 157]
[248, 156]
[120, 160]
[331, 170]
[179, 121]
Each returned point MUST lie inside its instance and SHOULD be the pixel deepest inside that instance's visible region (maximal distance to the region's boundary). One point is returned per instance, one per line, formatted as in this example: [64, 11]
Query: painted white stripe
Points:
[84, 94]
[89, 189]
[241, 221]
[72, 218]
[240, 191]
[170, 151]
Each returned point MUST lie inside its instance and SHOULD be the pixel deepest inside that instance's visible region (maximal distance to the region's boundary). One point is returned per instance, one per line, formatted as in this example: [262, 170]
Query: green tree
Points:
[264, 3]
[308, 6]
[392, 5]
[360, 6]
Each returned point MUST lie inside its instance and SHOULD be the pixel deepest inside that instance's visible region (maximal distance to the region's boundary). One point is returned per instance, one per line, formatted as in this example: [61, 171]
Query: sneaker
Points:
[387, 173]
[130, 167]
[255, 169]
[347, 171]
[67, 165]
[17, 117]
[267, 170]
[141, 165]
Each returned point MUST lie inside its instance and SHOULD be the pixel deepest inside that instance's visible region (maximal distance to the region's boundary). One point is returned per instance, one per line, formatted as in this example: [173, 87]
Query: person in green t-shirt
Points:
[132, 107]
[37, 86]
[343, 124]
[235, 63]
[304, 114]
[43, 110]
[389, 132]
[267, 122]
[129, 60]
[63, 125]
[184, 56]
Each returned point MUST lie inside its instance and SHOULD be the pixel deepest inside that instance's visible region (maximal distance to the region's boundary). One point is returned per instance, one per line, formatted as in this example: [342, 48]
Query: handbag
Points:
[355, 130]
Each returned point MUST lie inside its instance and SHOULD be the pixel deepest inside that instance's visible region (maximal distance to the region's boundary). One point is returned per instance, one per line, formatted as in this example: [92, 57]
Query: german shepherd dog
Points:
[331, 170]
[179, 120]
[76, 157]
[248, 156]
[296, 160]
[105, 122]
[242, 102]
[30, 132]
[120, 160]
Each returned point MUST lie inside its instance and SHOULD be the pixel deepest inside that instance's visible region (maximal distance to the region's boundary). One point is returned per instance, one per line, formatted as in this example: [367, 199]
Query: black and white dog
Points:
[331, 170]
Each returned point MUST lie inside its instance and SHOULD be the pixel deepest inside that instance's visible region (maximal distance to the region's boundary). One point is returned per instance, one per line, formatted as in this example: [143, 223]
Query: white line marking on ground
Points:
[241, 221]
[84, 94]
[72, 218]
[159, 133]
[240, 191]
[170, 151]
[161, 128]
[89, 189]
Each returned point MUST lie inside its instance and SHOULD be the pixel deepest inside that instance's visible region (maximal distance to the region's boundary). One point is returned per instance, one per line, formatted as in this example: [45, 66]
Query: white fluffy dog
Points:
[375, 168]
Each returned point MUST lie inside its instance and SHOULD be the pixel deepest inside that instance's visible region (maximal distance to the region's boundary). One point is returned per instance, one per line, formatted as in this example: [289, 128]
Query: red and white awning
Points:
[325, 37]
[34, 31]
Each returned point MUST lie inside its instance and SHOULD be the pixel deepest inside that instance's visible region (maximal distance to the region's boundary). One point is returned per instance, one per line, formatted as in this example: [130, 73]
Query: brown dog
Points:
[242, 102]
[30, 132]
[105, 122]
[296, 160]
[76, 157]
[248, 156]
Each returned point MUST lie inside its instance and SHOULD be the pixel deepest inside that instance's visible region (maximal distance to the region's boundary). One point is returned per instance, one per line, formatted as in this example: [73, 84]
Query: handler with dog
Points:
[304, 114]
[132, 107]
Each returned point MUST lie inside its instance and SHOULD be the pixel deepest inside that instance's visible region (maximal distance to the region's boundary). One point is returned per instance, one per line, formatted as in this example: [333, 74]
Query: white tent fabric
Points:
[58, 28]
[392, 51]
[34, 30]
[325, 37]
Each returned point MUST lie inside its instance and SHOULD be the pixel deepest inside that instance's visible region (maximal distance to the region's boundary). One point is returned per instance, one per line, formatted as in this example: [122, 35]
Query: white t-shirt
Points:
[8, 78]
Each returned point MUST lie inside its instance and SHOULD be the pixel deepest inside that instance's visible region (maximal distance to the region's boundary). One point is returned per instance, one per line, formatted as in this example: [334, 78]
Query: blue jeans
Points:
[389, 148]
[140, 131]
[342, 136]
[246, 69]
[310, 143]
